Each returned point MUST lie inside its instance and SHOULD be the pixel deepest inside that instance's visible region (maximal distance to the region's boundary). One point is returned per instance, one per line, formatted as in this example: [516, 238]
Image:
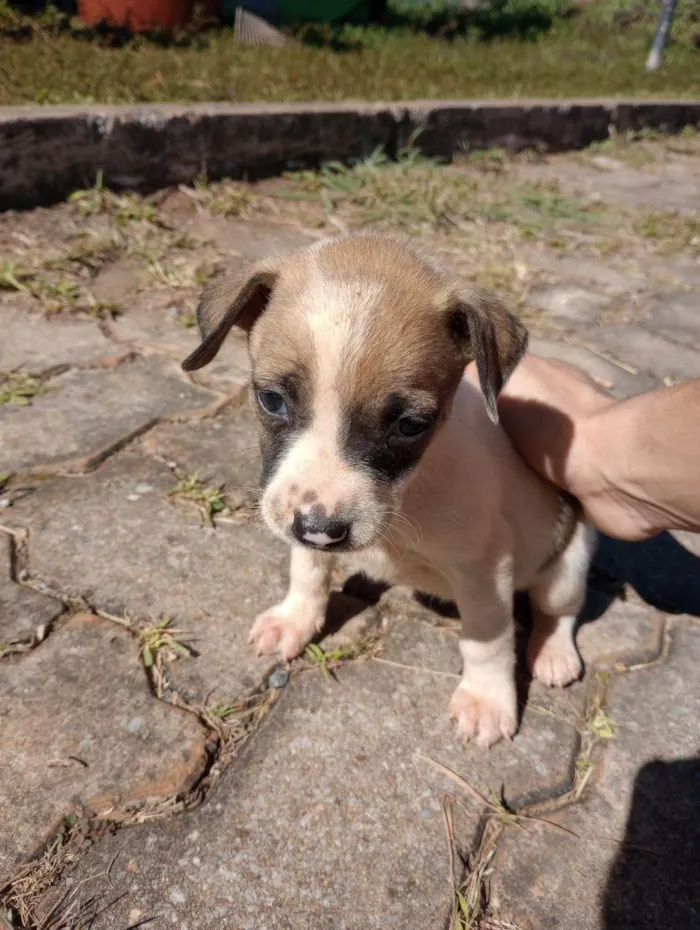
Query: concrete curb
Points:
[47, 152]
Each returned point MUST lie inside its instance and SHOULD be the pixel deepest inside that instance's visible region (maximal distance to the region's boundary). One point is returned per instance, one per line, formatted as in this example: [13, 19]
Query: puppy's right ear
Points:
[237, 298]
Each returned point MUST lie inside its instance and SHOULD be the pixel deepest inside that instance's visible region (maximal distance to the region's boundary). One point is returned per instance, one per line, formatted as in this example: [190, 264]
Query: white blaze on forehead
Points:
[337, 316]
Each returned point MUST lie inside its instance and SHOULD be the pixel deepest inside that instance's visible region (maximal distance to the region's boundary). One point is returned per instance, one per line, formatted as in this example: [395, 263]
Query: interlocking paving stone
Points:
[78, 727]
[675, 316]
[534, 766]
[650, 352]
[664, 186]
[626, 631]
[22, 611]
[646, 794]
[248, 239]
[619, 382]
[31, 342]
[586, 272]
[221, 450]
[569, 302]
[86, 413]
[328, 819]
[154, 332]
[116, 538]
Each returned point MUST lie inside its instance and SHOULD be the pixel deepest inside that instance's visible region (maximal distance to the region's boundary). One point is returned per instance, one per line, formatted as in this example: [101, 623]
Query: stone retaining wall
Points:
[46, 152]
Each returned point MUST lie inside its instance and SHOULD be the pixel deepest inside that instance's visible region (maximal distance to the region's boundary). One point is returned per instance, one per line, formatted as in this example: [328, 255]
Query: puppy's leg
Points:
[289, 626]
[556, 599]
[485, 704]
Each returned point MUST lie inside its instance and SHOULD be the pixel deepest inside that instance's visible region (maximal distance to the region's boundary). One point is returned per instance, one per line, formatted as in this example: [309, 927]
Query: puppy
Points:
[377, 448]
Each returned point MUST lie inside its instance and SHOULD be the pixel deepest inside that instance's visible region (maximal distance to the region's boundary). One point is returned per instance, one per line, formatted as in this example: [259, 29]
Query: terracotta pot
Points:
[137, 15]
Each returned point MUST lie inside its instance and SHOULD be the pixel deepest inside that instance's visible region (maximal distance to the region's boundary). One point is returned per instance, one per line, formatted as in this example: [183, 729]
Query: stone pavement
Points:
[154, 772]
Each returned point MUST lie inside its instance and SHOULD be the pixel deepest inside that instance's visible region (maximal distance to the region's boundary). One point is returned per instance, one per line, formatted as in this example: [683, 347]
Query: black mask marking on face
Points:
[389, 440]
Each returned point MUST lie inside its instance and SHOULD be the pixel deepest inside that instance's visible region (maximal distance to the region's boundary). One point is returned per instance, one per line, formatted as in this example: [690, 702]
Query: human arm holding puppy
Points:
[634, 464]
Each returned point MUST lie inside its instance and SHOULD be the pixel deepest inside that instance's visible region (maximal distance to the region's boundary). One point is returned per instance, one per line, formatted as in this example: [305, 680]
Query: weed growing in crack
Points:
[87, 256]
[13, 277]
[23, 894]
[53, 296]
[670, 232]
[19, 390]
[125, 208]
[327, 660]
[210, 501]
[159, 645]
[187, 320]
[596, 720]
[101, 309]
[602, 725]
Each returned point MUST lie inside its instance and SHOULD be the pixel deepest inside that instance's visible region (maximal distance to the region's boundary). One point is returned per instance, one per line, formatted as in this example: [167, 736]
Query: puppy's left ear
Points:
[487, 333]
[236, 298]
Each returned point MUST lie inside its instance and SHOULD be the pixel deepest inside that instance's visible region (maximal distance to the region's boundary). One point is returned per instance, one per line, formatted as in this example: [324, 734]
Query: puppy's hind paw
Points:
[555, 662]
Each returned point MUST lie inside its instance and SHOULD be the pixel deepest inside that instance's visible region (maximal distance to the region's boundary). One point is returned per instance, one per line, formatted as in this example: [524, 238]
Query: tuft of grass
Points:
[159, 645]
[418, 193]
[53, 296]
[601, 724]
[4, 479]
[13, 277]
[187, 320]
[328, 660]
[161, 638]
[231, 199]
[670, 232]
[88, 255]
[19, 390]
[101, 309]
[125, 208]
[210, 501]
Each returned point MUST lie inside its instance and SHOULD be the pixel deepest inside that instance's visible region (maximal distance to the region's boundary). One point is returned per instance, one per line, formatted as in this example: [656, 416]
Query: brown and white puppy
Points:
[376, 447]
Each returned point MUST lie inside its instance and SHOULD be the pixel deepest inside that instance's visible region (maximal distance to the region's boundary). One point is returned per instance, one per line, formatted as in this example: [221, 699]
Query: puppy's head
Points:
[357, 346]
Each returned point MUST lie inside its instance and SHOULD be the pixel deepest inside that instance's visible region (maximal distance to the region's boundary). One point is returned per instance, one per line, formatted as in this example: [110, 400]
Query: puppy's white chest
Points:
[395, 565]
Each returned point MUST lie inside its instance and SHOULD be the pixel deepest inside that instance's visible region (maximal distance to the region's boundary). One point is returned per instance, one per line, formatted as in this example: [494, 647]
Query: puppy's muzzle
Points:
[319, 530]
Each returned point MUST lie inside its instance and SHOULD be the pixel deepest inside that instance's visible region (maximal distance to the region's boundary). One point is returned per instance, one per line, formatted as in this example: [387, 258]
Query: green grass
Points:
[18, 391]
[210, 501]
[521, 48]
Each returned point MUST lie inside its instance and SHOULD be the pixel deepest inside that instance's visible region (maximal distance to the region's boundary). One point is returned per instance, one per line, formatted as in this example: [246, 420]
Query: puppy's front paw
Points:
[554, 661]
[485, 717]
[282, 631]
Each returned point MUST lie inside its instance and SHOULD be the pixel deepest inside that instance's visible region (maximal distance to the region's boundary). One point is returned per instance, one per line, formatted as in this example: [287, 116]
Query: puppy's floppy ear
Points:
[493, 337]
[238, 297]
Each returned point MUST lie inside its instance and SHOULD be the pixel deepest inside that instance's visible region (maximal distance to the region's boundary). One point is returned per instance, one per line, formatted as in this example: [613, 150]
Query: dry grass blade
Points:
[497, 806]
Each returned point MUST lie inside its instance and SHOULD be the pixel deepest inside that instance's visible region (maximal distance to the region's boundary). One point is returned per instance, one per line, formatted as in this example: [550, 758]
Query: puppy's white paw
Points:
[486, 718]
[282, 631]
[554, 661]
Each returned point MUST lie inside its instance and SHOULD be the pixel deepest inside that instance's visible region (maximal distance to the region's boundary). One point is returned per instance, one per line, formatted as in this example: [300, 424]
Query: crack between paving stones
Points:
[82, 468]
[19, 555]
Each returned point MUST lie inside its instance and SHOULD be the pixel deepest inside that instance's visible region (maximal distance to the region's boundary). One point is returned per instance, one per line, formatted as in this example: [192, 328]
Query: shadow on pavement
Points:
[661, 570]
[654, 883]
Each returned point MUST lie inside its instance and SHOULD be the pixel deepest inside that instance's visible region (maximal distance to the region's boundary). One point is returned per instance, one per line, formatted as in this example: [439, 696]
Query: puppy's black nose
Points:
[317, 529]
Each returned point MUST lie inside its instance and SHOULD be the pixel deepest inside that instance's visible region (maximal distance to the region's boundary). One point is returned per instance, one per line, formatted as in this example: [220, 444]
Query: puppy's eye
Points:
[273, 403]
[411, 427]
